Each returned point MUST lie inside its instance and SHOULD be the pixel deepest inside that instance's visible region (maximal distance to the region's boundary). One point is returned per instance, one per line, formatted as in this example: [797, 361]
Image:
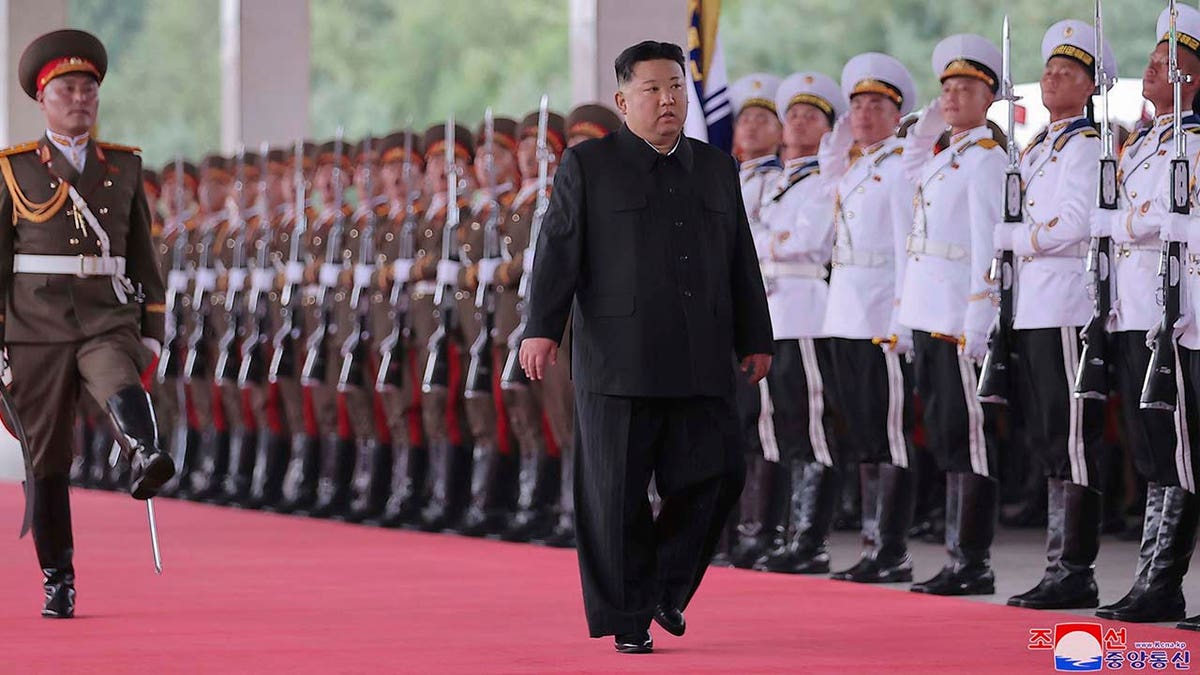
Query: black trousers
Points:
[1187, 454]
[961, 430]
[873, 389]
[629, 561]
[800, 423]
[1065, 431]
[1151, 434]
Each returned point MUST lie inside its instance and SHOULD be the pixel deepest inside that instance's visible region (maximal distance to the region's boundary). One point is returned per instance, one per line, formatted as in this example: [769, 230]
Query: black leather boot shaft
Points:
[55, 545]
[133, 414]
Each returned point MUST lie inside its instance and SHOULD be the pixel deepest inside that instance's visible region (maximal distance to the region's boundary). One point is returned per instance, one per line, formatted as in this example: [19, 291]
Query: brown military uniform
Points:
[64, 333]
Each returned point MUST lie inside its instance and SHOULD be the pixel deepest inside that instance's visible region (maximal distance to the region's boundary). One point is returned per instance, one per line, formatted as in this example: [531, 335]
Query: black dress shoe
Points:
[954, 580]
[59, 587]
[634, 643]
[150, 469]
[671, 620]
[1190, 624]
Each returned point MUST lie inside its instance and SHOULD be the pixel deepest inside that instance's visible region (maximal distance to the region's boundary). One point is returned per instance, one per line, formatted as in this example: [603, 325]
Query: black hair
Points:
[648, 50]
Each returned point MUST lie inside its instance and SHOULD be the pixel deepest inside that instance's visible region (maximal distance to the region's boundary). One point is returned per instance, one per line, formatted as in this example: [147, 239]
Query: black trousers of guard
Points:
[630, 561]
[1065, 431]
[960, 429]
[1151, 434]
[873, 390]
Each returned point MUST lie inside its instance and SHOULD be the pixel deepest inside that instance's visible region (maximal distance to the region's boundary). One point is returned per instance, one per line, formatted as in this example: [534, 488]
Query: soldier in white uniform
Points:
[1161, 441]
[1059, 171]
[794, 423]
[947, 298]
[873, 214]
[756, 136]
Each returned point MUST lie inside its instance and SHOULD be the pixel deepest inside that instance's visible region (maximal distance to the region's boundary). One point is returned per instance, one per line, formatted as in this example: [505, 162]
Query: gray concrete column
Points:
[22, 21]
[264, 72]
[600, 29]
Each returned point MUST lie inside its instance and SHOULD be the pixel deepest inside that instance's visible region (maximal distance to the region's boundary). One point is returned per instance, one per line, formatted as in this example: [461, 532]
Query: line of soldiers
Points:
[877, 241]
[301, 310]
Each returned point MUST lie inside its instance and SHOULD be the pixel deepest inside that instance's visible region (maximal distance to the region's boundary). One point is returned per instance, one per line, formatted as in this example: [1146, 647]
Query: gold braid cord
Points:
[34, 212]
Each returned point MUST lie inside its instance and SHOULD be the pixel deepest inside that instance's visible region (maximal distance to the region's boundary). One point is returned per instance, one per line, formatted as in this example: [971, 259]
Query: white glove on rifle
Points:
[363, 274]
[487, 270]
[447, 273]
[975, 346]
[329, 275]
[401, 269]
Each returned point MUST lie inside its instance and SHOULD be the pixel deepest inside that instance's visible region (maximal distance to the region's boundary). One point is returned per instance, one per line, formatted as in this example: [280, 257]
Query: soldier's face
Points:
[394, 183]
[504, 164]
[757, 132]
[435, 173]
[1156, 83]
[965, 102]
[361, 174]
[70, 103]
[275, 187]
[803, 126]
[171, 199]
[653, 101]
[527, 159]
[323, 184]
[873, 117]
[1066, 85]
[214, 190]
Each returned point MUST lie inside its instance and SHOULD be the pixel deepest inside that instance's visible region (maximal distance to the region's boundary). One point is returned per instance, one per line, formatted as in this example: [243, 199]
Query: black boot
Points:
[968, 540]
[492, 493]
[407, 494]
[537, 518]
[372, 478]
[563, 535]
[214, 464]
[300, 481]
[868, 487]
[1072, 543]
[890, 562]
[805, 549]
[1151, 520]
[270, 466]
[149, 467]
[1161, 596]
[450, 487]
[243, 452]
[762, 518]
[337, 470]
[55, 545]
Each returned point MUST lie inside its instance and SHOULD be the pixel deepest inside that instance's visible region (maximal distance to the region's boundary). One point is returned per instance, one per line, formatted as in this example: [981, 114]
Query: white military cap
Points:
[1187, 25]
[875, 73]
[815, 89]
[1076, 40]
[756, 89]
[967, 55]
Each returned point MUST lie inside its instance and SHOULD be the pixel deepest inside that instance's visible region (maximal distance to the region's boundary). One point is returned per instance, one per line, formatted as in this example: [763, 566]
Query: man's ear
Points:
[619, 99]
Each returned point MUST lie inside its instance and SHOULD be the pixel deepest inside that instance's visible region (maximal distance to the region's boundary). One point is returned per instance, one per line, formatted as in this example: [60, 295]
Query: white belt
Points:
[1127, 249]
[1078, 251]
[847, 257]
[778, 270]
[75, 265]
[425, 287]
[938, 249]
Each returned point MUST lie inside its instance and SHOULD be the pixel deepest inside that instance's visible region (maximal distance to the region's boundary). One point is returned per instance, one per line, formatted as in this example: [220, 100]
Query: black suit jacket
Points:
[654, 254]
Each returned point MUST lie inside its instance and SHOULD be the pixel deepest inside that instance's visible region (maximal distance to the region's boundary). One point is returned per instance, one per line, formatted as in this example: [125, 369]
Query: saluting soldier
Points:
[798, 218]
[873, 211]
[83, 295]
[946, 298]
[495, 465]
[402, 164]
[1162, 441]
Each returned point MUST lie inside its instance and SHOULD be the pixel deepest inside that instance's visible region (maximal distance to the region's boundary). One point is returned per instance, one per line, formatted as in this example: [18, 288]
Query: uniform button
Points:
[670, 191]
[420, 253]
[53, 185]
[284, 236]
[516, 217]
[1133, 195]
[849, 215]
[1146, 165]
[388, 236]
[679, 223]
[74, 241]
[316, 241]
[683, 258]
[1042, 173]
[428, 232]
[1030, 202]
[467, 247]
[475, 226]
[107, 183]
[928, 203]
[859, 189]
[687, 293]
[507, 239]
[354, 234]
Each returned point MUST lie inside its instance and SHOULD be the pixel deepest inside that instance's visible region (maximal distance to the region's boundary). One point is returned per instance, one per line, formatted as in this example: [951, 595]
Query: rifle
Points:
[1091, 378]
[514, 376]
[1159, 391]
[437, 368]
[358, 341]
[174, 343]
[258, 325]
[995, 382]
[197, 367]
[287, 338]
[229, 354]
[392, 350]
[479, 373]
[316, 362]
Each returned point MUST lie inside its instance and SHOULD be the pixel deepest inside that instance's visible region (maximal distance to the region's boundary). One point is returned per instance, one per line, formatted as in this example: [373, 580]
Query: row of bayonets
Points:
[250, 339]
[1159, 391]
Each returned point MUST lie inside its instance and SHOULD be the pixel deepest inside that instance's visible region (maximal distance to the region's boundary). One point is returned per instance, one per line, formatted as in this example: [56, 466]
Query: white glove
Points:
[293, 273]
[401, 269]
[1102, 222]
[236, 279]
[841, 138]
[447, 273]
[177, 280]
[975, 346]
[363, 274]
[1003, 235]
[329, 275]
[487, 270]
[153, 345]
[206, 278]
[931, 123]
[262, 279]
[1175, 227]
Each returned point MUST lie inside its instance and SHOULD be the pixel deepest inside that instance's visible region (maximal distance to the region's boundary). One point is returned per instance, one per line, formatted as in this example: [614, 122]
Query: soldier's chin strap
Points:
[121, 284]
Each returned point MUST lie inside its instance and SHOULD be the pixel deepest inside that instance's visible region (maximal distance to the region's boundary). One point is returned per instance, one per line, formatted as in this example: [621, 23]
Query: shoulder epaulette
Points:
[18, 149]
[895, 152]
[1081, 127]
[120, 148]
[988, 143]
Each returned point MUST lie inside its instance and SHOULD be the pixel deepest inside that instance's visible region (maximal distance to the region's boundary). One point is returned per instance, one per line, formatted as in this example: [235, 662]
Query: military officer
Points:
[84, 298]
[946, 298]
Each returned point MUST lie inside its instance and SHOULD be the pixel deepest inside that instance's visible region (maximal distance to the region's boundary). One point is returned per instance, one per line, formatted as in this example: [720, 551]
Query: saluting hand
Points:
[538, 354]
[757, 365]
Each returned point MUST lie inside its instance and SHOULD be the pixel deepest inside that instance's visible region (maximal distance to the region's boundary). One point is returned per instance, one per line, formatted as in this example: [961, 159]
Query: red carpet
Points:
[252, 592]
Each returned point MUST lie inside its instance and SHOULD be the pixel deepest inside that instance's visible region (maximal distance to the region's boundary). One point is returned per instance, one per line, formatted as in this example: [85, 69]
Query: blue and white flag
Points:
[710, 115]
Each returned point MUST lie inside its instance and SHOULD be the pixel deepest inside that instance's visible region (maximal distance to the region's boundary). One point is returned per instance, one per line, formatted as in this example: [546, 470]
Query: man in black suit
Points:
[646, 240]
